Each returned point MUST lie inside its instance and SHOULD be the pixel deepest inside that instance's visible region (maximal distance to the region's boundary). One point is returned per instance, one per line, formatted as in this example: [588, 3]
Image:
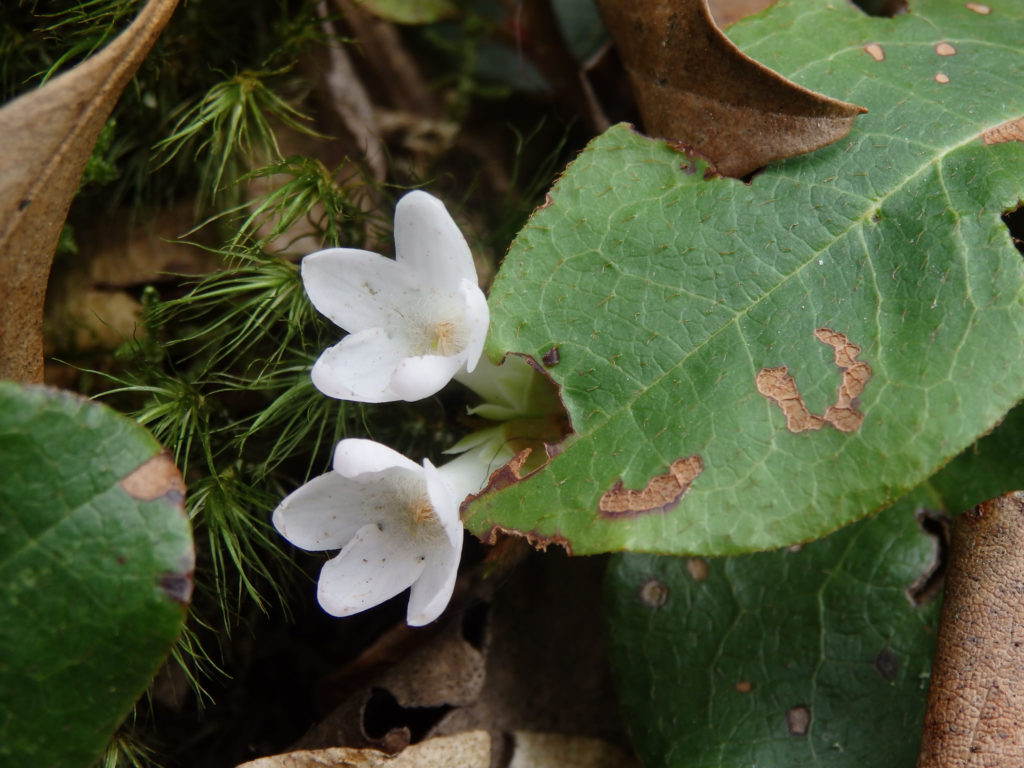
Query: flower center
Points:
[422, 511]
[444, 342]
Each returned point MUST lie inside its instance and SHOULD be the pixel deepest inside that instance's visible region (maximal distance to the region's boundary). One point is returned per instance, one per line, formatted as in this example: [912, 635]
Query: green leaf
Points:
[719, 672]
[411, 11]
[667, 293]
[986, 470]
[96, 566]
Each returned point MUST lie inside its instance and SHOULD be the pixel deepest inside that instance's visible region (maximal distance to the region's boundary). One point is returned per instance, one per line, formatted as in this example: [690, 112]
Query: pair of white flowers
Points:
[413, 324]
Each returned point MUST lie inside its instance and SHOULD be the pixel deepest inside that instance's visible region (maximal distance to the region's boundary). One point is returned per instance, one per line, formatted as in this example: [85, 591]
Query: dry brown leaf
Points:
[445, 671]
[48, 136]
[349, 100]
[400, 84]
[975, 714]
[547, 666]
[538, 34]
[511, 684]
[695, 88]
[465, 750]
[554, 750]
[470, 749]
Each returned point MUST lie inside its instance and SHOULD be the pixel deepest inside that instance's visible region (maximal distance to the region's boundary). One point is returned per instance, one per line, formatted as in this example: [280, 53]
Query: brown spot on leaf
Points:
[1012, 130]
[776, 384]
[843, 415]
[157, 478]
[504, 476]
[945, 49]
[887, 664]
[744, 686]
[534, 539]
[941, 78]
[697, 567]
[875, 51]
[662, 493]
[984, 10]
[177, 586]
[654, 593]
[798, 721]
[551, 357]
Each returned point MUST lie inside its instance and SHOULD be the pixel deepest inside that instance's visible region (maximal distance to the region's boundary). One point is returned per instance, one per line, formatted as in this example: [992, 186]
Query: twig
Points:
[975, 713]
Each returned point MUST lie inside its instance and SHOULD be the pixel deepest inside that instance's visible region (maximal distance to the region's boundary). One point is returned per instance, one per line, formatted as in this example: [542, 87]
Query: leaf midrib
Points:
[856, 225]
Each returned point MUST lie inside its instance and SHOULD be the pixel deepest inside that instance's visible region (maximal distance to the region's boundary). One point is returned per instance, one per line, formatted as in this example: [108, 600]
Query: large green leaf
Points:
[666, 293]
[815, 657]
[990, 468]
[95, 573]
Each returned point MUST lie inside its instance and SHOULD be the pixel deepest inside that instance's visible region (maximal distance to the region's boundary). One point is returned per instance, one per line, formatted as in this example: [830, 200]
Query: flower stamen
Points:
[444, 338]
[422, 511]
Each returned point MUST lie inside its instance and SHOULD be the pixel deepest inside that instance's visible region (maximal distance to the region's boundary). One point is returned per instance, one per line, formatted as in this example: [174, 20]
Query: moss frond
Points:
[174, 409]
[233, 513]
[229, 129]
[303, 420]
[83, 27]
[125, 751]
[310, 195]
[258, 302]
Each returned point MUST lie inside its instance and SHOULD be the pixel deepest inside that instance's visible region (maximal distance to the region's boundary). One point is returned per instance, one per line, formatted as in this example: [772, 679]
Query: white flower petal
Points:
[358, 289]
[505, 389]
[433, 589]
[372, 568]
[445, 502]
[422, 376]
[429, 241]
[360, 367]
[469, 472]
[477, 319]
[354, 457]
[325, 513]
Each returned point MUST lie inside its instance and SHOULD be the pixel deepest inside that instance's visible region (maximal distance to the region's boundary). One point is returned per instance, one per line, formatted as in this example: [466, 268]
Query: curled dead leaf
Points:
[48, 135]
[466, 750]
[695, 88]
[471, 749]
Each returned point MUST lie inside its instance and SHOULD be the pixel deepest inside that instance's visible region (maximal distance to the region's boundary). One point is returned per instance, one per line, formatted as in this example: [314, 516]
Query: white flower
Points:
[413, 322]
[397, 524]
[509, 391]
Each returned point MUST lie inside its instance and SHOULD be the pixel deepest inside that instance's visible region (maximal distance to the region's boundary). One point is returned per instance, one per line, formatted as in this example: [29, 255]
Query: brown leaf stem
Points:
[975, 714]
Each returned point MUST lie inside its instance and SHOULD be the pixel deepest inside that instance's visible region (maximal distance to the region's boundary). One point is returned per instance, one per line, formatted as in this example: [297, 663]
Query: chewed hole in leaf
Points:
[1014, 221]
[928, 585]
[749, 178]
[798, 721]
[883, 8]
